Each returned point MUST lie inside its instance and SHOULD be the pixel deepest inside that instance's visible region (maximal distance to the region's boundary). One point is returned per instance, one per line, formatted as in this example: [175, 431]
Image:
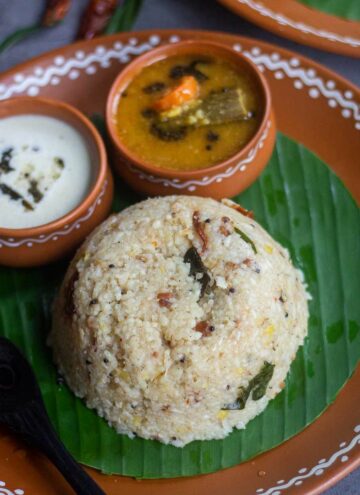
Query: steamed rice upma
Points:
[178, 319]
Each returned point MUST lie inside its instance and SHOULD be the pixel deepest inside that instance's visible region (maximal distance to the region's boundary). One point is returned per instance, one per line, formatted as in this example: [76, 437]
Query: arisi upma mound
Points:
[178, 319]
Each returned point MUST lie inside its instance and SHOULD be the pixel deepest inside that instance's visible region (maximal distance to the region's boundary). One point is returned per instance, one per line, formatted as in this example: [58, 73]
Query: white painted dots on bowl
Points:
[59, 60]
[33, 91]
[279, 75]
[80, 54]
[298, 84]
[346, 113]
[314, 93]
[332, 103]
[330, 84]
[105, 64]
[74, 74]
[54, 81]
[237, 47]
[154, 40]
[19, 78]
[294, 62]
[100, 50]
[311, 73]
[39, 71]
[90, 70]
[18, 491]
[174, 39]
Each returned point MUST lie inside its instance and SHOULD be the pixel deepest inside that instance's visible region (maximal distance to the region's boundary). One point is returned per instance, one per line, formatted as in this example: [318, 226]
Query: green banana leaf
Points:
[306, 208]
[349, 9]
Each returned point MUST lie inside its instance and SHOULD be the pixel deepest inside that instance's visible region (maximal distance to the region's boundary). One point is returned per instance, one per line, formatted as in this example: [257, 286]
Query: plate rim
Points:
[290, 22]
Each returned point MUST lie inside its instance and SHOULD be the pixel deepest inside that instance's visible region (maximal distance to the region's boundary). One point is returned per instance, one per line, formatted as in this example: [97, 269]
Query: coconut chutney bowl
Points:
[55, 183]
[193, 118]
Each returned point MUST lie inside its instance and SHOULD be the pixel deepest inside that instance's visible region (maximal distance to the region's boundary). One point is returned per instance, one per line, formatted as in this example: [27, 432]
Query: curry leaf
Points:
[257, 386]
[197, 267]
[246, 238]
[261, 381]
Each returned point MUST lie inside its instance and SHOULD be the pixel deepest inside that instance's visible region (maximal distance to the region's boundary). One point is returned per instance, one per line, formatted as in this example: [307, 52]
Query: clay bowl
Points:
[49, 242]
[223, 179]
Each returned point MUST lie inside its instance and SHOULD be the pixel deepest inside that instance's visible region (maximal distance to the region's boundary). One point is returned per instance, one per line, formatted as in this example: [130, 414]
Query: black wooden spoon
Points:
[22, 409]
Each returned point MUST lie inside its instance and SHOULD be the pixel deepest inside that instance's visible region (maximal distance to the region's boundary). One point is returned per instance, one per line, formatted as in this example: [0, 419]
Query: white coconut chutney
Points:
[45, 170]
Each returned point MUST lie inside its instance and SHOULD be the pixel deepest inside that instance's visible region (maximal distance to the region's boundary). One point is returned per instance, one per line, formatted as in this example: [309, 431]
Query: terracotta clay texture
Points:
[296, 21]
[47, 243]
[225, 179]
[312, 105]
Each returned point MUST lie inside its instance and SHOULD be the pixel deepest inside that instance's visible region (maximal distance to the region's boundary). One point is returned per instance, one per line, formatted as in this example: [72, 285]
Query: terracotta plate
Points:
[313, 106]
[300, 23]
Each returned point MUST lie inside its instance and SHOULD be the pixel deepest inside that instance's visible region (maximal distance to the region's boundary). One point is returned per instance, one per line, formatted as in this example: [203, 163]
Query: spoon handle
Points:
[34, 425]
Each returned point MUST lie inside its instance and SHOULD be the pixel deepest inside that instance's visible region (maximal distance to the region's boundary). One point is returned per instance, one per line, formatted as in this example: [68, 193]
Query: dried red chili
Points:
[200, 230]
[96, 18]
[242, 210]
[164, 299]
[55, 12]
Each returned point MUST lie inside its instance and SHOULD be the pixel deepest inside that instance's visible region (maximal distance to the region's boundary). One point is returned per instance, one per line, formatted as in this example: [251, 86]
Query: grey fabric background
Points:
[195, 14]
